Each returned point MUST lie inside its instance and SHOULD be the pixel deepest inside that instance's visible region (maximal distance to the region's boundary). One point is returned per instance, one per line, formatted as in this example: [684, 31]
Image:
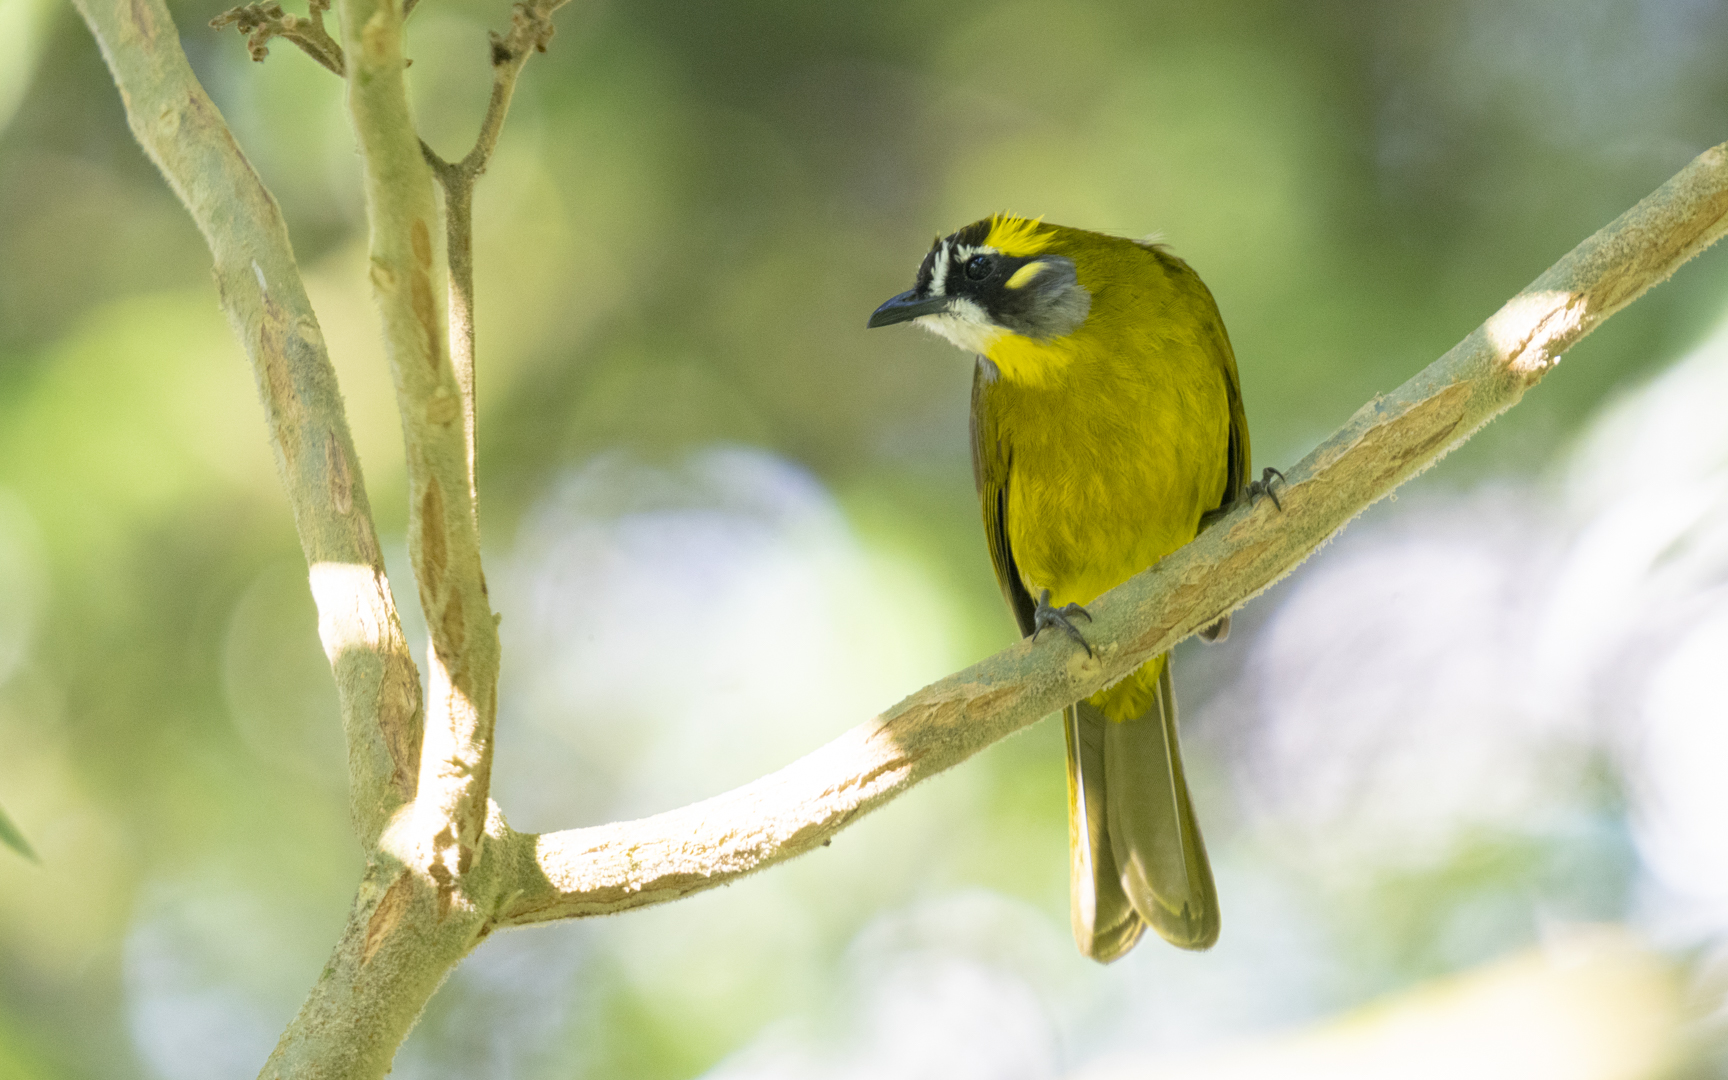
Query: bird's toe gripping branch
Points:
[1046, 617]
[1270, 478]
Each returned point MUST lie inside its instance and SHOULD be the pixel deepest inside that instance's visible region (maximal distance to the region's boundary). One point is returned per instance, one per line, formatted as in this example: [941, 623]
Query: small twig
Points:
[458, 184]
[262, 21]
[530, 30]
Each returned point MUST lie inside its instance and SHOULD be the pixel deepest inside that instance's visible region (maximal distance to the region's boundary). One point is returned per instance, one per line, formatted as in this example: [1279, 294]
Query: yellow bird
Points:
[1107, 427]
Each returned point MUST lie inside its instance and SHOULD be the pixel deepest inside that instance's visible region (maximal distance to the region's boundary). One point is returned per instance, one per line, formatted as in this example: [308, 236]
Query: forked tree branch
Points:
[463, 715]
[266, 304]
[632, 864]
[531, 30]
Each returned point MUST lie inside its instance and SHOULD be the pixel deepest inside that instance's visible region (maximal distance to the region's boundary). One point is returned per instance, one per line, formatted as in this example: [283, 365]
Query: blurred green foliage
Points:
[12, 838]
[693, 210]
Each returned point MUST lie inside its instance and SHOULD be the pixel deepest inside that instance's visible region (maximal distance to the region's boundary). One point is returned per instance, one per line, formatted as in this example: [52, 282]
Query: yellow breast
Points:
[1119, 438]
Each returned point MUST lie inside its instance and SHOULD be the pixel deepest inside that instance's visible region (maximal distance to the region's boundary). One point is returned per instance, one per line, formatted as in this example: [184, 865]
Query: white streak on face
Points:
[939, 272]
[952, 255]
[964, 324]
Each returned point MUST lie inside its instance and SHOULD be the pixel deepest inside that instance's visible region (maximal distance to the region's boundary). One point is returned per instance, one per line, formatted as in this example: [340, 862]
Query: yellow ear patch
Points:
[1025, 274]
[1013, 235]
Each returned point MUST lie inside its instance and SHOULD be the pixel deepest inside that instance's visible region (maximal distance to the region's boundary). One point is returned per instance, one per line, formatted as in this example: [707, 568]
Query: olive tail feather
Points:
[1137, 854]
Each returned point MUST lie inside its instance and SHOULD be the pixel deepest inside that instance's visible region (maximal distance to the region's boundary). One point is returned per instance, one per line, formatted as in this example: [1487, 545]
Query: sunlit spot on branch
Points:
[1531, 331]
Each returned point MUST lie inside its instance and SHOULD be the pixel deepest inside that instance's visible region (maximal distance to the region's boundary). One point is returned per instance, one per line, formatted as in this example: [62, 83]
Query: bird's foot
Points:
[1269, 479]
[1045, 617]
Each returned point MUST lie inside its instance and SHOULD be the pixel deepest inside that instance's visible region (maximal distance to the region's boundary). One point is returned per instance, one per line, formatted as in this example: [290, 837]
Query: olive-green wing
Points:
[1216, 342]
[991, 456]
[1240, 458]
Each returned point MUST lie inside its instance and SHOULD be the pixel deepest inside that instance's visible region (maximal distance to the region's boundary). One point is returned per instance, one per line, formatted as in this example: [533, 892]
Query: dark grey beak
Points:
[906, 306]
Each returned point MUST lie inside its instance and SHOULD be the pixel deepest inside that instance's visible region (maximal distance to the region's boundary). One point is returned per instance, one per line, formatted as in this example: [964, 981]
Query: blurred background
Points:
[1460, 774]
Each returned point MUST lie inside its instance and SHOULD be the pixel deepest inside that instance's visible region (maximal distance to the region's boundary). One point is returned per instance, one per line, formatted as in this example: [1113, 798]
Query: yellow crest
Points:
[1013, 235]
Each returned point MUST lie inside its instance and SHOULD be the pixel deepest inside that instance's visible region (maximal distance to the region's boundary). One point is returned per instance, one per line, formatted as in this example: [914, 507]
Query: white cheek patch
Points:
[965, 325]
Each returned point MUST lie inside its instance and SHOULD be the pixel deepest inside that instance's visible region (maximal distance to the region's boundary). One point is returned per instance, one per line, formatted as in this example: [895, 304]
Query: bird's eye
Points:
[978, 267]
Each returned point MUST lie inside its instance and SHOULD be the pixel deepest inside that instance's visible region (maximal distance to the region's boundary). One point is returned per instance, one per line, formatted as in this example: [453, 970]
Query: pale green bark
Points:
[409, 283]
[261, 291]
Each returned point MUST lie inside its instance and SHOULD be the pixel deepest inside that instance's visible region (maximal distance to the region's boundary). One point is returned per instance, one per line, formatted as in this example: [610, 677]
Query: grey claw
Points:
[1045, 617]
[1264, 486]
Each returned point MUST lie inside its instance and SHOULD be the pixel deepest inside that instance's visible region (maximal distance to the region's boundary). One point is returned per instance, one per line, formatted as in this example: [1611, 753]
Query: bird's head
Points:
[1001, 275]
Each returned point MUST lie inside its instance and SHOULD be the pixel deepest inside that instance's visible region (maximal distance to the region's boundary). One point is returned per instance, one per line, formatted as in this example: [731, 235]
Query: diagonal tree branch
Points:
[266, 304]
[632, 864]
[443, 528]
